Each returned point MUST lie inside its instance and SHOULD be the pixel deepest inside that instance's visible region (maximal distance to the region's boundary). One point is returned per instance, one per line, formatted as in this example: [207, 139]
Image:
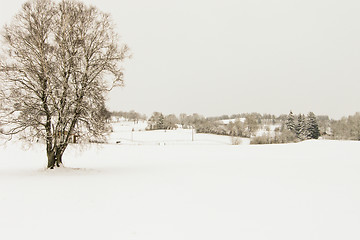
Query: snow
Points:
[123, 133]
[307, 190]
[233, 120]
[267, 129]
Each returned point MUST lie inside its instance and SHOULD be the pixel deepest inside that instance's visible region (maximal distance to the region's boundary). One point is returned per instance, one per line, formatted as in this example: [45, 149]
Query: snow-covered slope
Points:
[308, 190]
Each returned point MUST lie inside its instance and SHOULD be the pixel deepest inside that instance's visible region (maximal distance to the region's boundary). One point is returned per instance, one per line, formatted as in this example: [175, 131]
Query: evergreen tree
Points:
[156, 121]
[290, 122]
[160, 122]
[301, 127]
[312, 127]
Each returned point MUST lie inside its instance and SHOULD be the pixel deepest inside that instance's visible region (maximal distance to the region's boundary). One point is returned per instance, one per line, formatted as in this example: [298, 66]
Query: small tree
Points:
[183, 119]
[133, 116]
[170, 121]
[354, 126]
[236, 128]
[59, 61]
[252, 123]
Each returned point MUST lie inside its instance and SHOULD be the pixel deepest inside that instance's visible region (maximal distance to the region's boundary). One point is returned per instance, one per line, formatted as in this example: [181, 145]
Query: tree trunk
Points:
[51, 160]
[58, 158]
[55, 158]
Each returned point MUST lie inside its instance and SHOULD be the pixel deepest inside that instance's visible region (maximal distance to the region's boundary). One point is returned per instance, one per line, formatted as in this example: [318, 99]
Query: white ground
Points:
[227, 121]
[308, 190]
[124, 133]
[268, 129]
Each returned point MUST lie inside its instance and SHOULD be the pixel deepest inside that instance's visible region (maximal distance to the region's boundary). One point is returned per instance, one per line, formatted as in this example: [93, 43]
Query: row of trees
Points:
[131, 115]
[245, 128]
[291, 128]
[304, 127]
[346, 128]
[159, 121]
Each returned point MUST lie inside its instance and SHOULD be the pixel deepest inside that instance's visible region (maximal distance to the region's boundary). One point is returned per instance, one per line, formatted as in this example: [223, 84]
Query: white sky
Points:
[233, 56]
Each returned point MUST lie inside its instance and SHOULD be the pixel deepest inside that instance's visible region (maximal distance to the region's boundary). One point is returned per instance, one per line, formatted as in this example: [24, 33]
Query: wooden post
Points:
[192, 133]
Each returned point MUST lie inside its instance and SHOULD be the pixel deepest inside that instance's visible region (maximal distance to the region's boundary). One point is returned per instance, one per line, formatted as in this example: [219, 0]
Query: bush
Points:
[284, 137]
[236, 141]
[264, 139]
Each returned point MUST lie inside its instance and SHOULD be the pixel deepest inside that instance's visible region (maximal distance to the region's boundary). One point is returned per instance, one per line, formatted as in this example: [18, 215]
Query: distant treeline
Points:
[346, 128]
[286, 127]
[131, 115]
[242, 125]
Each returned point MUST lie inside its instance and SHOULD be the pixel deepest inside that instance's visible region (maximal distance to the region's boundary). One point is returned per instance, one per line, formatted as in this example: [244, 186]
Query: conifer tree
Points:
[301, 127]
[156, 121]
[312, 127]
[160, 122]
[290, 122]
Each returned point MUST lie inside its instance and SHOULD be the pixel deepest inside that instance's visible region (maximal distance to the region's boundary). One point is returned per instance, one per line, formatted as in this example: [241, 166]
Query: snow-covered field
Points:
[135, 134]
[308, 190]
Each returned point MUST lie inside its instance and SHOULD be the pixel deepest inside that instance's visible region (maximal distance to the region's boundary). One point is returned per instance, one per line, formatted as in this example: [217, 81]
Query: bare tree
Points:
[59, 61]
[252, 123]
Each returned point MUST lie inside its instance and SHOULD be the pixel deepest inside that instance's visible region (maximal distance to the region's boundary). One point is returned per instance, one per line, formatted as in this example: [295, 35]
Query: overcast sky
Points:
[233, 56]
